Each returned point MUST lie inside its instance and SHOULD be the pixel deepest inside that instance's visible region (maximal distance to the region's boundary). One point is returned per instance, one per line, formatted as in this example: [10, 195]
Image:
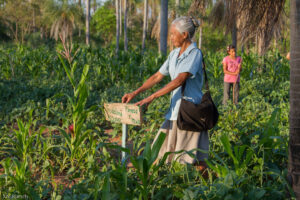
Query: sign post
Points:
[124, 136]
[125, 114]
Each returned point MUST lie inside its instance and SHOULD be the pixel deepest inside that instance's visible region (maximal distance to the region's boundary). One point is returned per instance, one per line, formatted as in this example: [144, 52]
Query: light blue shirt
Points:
[189, 61]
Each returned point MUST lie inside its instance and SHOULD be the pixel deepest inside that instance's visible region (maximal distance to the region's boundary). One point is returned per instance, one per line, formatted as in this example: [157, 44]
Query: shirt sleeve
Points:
[164, 69]
[192, 63]
[224, 60]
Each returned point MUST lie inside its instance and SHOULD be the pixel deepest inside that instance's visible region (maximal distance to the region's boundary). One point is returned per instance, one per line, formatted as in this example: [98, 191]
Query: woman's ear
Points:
[185, 35]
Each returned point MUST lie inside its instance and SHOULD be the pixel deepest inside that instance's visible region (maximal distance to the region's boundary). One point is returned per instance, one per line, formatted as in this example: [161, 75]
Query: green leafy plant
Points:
[79, 114]
[145, 167]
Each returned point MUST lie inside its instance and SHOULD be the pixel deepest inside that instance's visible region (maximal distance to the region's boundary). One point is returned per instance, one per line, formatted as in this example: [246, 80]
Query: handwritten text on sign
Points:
[123, 113]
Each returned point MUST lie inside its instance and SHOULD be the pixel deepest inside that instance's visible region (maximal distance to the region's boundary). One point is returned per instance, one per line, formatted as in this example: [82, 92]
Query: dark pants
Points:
[227, 88]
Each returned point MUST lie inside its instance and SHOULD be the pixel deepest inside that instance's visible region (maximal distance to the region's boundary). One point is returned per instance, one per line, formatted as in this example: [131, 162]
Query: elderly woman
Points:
[184, 64]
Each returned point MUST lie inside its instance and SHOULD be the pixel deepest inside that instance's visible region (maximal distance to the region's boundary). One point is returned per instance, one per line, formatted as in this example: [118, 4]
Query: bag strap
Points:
[205, 77]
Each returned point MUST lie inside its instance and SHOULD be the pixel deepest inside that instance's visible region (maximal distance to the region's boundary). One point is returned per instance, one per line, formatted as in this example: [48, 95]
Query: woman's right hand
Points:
[128, 97]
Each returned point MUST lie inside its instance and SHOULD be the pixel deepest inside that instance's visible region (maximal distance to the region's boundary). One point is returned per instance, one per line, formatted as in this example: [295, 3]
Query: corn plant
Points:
[241, 156]
[17, 176]
[145, 166]
[25, 138]
[17, 170]
[79, 113]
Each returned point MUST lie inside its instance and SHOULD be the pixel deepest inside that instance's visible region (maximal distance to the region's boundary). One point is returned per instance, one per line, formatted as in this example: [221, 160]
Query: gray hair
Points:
[186, 24]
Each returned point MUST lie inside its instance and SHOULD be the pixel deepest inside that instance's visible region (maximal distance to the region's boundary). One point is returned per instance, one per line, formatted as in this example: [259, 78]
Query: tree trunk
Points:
[275, 42]
[163, 26]
[147, 21]
[22, 34]
[117, 25]
[41, 32]
[95, 6]
[125, 26]
[79, 3]
[154, 12]
[145, 24]
[87, 22]
[33, 20]
[259, 45]
[294, 142]
[234, 36]
[16, 35]
[120, 15]
[200, 36]
[177, 5]
[256, 43]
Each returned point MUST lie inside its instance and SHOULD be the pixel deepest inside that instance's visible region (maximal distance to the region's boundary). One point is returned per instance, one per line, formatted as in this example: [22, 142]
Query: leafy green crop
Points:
[42, 95]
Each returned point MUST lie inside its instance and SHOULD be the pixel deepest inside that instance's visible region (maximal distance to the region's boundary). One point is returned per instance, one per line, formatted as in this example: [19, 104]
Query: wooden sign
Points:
[123, 113]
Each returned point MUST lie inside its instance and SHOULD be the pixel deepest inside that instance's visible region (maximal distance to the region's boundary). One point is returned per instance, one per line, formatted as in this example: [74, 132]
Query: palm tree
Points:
[145, 24]
[198, 9]
[247, 18]
[154, 7]
[63, 17]
[155, 20]
[87, 22]
[95, 5]
[177, 6]
[163, 27]
[120, 16]
[262, 22]
[117, 25]
[224, 14]
[294, 142]
[156, 29]
[155, 32]
[125, 26]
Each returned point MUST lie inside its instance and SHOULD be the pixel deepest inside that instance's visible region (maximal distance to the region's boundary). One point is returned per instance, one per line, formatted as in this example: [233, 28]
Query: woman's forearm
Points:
[228, 72]
[171, 85]
[150, 82]
[231, 73]
[157, 77]
[168, 88]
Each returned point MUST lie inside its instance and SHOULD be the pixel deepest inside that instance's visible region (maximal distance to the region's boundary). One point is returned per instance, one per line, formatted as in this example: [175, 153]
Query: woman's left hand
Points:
[146, 101]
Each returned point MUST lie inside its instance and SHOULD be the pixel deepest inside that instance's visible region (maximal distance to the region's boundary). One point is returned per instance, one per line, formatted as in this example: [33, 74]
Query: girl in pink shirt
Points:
[232, 66]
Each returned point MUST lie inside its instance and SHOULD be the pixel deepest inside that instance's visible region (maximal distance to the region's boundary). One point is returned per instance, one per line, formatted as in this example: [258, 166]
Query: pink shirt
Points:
[232, 66]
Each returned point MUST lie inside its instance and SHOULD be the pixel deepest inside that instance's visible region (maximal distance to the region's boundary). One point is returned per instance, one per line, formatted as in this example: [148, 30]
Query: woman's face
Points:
[176, 37]
[232, 52]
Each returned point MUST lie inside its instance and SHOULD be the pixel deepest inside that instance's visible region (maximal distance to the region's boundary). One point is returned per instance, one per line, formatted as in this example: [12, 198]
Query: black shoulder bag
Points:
[197, 117]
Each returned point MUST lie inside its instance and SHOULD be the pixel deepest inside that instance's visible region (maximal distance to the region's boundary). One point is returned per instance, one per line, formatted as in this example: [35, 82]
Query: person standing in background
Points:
[232, 66]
